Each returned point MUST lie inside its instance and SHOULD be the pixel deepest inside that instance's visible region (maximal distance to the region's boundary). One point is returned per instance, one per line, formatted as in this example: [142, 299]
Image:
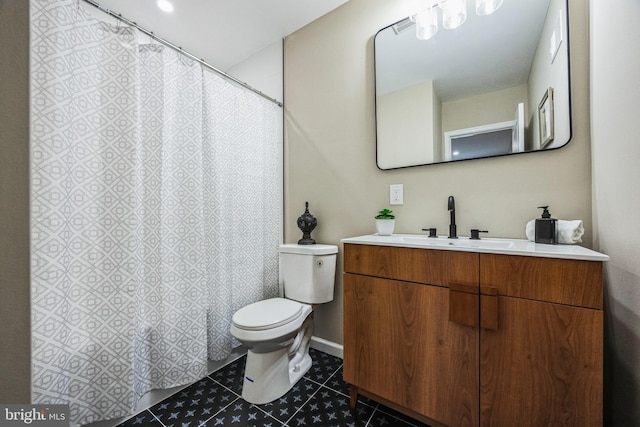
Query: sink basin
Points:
[460, 243]
[484, 245]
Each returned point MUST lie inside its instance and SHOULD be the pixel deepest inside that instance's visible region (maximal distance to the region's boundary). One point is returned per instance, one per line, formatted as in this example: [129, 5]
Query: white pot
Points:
[385, 226]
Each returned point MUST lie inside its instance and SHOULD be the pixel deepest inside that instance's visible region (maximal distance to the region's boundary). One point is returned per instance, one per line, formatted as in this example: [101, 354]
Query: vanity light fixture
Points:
[164, 5]
[454, 14]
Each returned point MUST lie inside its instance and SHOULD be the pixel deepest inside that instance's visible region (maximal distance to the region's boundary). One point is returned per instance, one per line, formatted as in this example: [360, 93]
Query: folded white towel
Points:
[567, 232]
[530, 230]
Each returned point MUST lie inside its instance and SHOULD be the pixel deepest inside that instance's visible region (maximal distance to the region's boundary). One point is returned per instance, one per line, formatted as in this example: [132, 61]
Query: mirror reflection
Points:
[497, 84]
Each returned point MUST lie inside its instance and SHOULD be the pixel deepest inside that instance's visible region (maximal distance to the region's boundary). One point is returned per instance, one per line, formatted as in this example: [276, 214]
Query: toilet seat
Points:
[268, 314]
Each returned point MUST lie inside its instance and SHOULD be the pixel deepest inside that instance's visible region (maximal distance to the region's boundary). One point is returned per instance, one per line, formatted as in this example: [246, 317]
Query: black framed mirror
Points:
[495, 86]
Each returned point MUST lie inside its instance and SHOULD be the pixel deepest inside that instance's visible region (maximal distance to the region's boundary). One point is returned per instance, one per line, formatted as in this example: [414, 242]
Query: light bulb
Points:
[454, 13]
[426, 23]
[164, 5]
[487, 7]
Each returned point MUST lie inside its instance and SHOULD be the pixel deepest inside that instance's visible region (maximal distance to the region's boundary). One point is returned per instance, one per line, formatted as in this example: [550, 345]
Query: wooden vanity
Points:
[468, 337]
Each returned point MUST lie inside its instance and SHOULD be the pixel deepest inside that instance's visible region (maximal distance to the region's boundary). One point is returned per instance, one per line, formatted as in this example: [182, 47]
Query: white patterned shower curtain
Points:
[156, 206]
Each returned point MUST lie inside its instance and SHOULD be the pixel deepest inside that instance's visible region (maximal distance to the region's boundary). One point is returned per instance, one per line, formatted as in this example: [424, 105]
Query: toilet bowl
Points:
[278, 346]
[277, 331]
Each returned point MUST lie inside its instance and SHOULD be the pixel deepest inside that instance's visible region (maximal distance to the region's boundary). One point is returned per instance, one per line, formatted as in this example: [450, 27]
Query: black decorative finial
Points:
[306, 223]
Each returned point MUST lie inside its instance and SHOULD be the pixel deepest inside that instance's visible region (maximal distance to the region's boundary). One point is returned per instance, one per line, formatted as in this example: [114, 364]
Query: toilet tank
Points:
[308, 272]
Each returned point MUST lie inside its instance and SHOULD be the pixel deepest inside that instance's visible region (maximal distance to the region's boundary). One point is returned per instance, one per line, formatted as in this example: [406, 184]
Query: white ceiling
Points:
[223, 32]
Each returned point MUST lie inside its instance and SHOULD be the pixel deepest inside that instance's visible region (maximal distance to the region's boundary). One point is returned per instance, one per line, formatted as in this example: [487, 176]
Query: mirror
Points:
[497, 85]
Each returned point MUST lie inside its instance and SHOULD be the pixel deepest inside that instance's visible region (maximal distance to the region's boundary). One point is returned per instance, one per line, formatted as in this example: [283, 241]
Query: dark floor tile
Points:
[320, 398]
[284, 407]
[331, 409]
[232, 375]
[242, 413]
[385, 416]
[144, 418]
[337, 383]
[193, 405]
[324, 365]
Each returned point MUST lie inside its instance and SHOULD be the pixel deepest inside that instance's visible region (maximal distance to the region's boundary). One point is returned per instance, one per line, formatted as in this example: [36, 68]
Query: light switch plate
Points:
[396, 196]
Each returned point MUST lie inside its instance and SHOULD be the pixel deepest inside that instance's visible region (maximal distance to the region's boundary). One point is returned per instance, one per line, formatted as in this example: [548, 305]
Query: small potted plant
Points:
[385, 222]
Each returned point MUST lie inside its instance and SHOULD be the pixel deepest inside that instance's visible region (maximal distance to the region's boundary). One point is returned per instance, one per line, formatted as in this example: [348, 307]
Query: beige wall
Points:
[330, 148]
[615, 108]
[406, 135]
[15, 336]
[485, 109]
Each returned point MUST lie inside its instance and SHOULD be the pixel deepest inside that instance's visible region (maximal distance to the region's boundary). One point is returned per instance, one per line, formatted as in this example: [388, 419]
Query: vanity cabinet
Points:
[461, 338]
[399, 345]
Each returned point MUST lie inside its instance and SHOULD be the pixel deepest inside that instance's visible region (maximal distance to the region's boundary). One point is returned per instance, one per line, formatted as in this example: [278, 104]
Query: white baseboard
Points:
[328, 347]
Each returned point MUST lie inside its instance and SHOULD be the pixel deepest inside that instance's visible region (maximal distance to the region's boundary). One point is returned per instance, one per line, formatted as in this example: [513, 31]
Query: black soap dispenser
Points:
[546, 227]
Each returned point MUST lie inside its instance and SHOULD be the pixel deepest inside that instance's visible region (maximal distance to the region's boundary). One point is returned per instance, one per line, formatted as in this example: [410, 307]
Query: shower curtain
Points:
[156, 206]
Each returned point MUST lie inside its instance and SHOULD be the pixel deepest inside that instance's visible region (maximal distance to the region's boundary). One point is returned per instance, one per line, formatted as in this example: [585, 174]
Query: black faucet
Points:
[451, 205]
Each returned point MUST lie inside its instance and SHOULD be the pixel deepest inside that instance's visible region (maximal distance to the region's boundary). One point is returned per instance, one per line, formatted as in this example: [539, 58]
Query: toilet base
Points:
[269, 376]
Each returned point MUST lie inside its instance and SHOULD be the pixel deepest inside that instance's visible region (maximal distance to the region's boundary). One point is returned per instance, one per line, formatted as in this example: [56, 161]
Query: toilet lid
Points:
[267, 314]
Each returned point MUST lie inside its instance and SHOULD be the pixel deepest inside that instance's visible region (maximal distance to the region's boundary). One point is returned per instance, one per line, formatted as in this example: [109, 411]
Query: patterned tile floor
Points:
[320, 398]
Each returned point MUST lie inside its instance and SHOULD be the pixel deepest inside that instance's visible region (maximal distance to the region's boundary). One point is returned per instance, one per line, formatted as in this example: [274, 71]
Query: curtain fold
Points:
[155, 212]
[170, 322]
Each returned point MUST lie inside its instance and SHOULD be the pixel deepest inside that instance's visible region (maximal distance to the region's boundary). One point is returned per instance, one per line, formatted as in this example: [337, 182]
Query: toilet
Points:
[277, 331]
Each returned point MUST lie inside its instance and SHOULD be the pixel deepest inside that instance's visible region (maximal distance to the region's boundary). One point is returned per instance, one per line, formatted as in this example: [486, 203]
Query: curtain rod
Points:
[180, 50]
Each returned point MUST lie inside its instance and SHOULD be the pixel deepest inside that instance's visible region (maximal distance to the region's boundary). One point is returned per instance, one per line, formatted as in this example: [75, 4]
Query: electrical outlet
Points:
[396, 196]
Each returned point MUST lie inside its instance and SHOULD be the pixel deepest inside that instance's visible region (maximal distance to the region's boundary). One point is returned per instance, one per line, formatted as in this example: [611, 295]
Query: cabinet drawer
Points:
[434, 267]
[563, 281]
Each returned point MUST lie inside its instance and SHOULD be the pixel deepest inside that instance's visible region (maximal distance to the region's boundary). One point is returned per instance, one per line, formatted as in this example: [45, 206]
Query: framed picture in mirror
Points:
[545, 118]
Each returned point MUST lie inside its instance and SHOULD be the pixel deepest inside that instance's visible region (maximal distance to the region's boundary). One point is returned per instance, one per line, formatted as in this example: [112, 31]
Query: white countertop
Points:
[485, 245]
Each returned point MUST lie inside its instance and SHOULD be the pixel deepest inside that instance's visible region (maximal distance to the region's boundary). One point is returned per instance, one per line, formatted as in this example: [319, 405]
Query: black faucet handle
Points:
[432, 232]
[475, 233]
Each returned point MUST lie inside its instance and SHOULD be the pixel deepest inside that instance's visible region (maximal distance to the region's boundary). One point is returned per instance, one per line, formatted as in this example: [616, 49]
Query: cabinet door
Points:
[542, 367]
[400, 345]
